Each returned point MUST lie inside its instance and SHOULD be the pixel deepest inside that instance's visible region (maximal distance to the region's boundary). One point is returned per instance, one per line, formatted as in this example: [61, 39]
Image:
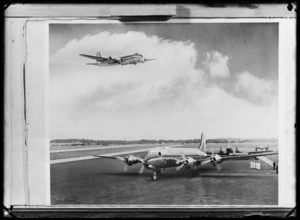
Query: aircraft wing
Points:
[261, 151]
[236, 157]
[99, 59]
[252, 155]
[221, 158]
[128, 159]
[110, 157]
[216, 159]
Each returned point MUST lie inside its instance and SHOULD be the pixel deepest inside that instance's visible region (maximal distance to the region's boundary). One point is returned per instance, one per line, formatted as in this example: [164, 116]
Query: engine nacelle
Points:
[215, 159]
[189, 162]
[130, 160]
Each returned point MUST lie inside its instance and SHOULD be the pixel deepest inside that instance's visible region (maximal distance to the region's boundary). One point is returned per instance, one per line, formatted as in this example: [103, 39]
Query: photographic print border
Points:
[28, 133]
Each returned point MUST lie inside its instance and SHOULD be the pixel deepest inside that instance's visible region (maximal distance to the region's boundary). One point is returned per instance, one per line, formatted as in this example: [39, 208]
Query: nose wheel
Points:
[155, 175]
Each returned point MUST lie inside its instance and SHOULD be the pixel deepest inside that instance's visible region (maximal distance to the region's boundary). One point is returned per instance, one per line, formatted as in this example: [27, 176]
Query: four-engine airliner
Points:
[122, 60]
[166, 157]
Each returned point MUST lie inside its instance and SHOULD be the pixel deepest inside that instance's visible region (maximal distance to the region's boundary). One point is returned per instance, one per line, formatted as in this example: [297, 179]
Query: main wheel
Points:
[154, 176]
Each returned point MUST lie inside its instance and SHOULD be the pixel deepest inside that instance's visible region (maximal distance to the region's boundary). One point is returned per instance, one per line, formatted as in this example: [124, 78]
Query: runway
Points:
[103, 182]
[98, 152]
[59, 149]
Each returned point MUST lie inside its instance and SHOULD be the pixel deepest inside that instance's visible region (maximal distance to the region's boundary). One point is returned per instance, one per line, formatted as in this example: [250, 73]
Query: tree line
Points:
[146, 141]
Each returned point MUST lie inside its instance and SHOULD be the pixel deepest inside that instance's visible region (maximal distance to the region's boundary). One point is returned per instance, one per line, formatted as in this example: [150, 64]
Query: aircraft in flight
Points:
[190, 158]
[122, 60]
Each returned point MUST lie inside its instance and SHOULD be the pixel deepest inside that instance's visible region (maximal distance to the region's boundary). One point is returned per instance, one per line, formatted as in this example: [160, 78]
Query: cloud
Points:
[216, 64]
[119, 86]
[243, 85]
[258, 91]
[165, 98]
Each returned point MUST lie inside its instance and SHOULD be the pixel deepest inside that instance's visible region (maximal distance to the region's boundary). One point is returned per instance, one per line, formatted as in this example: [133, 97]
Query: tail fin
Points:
[98, 54]
[202, 145]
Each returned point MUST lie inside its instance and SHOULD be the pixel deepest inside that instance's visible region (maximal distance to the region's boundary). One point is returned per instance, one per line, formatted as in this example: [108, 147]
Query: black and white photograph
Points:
[164, 113]
[137, 110]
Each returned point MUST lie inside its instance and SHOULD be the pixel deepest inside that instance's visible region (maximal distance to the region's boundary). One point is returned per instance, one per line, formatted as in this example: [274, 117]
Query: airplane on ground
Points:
[190, 158]
[123, 60]
[229, 151]
[266, 148]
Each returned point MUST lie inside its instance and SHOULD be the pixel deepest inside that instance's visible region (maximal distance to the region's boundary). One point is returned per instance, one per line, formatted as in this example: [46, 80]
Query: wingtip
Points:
[83, 55]
[150, 59]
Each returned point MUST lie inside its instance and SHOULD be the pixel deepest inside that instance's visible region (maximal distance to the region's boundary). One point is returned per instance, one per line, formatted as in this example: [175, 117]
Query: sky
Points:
[216, 78]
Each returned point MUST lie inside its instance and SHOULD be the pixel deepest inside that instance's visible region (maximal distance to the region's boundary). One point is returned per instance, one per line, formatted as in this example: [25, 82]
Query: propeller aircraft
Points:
[266, 148]
[123, 60]
[190, 158]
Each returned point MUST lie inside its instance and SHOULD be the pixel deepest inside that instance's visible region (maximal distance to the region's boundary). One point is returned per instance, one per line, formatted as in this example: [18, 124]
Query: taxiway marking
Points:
[108, 154]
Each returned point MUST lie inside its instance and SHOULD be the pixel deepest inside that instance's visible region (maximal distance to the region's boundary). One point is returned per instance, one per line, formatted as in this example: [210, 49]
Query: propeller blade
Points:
[141, 159]
[205, 162]
[218, 166]
[179, 167]
[125, 167]
[141, 171]
[119, 158]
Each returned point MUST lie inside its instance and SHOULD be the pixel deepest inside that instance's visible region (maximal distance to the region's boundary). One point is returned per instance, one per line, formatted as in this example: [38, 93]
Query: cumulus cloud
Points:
[216, 64]
[175, 59]
[243, 85]
[165, 98]
[256, 90]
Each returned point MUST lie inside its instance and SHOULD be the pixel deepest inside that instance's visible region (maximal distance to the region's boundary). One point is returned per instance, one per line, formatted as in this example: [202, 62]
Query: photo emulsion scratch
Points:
[164, 113]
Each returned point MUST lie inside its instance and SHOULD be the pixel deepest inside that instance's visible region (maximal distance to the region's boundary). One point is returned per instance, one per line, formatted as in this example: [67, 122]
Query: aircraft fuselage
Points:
[166, 157]
[131, 59]
[122, 60]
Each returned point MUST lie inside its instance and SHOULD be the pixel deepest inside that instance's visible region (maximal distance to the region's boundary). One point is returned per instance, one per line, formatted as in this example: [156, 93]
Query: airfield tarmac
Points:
[102, 181]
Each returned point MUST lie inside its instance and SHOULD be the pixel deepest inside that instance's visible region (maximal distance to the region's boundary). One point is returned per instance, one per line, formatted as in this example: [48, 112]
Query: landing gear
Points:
[155, 175]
